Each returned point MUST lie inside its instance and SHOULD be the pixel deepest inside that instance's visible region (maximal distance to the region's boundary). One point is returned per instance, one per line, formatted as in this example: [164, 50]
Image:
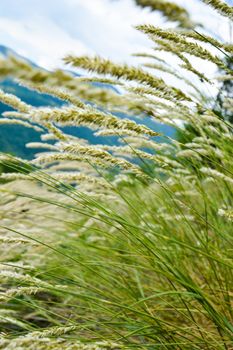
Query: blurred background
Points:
[46, 30]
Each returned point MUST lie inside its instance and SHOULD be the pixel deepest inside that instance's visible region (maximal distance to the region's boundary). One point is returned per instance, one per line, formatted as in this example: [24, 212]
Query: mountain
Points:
[14, 137]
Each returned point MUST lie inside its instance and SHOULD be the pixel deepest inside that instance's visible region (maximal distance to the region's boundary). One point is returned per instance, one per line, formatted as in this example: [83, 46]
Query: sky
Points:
[47, 30]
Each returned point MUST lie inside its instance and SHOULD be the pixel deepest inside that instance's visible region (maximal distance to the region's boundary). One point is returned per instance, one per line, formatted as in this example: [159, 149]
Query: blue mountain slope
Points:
[14, 137]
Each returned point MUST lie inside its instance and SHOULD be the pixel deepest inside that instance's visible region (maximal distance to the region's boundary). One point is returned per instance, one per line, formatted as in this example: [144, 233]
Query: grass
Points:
[151, 268]
[99, 251]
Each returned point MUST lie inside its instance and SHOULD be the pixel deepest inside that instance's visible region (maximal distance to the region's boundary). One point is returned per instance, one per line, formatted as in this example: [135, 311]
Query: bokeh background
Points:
[46, 30]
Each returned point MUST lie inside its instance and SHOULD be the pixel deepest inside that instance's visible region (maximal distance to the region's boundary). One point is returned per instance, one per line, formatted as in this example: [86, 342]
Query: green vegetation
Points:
[125, 246]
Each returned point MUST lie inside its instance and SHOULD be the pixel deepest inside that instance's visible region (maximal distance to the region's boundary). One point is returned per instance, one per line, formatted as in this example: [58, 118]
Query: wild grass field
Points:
[124, 246]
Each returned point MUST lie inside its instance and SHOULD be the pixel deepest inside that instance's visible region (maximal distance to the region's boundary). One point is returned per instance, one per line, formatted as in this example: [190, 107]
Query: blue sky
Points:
[46, 30]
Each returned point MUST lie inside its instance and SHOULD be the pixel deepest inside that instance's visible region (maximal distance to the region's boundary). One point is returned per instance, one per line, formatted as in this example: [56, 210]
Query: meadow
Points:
[125, 246]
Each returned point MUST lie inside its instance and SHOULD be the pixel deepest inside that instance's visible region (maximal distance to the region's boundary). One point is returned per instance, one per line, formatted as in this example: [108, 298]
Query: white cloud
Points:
[47, 30]
[39, 39]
